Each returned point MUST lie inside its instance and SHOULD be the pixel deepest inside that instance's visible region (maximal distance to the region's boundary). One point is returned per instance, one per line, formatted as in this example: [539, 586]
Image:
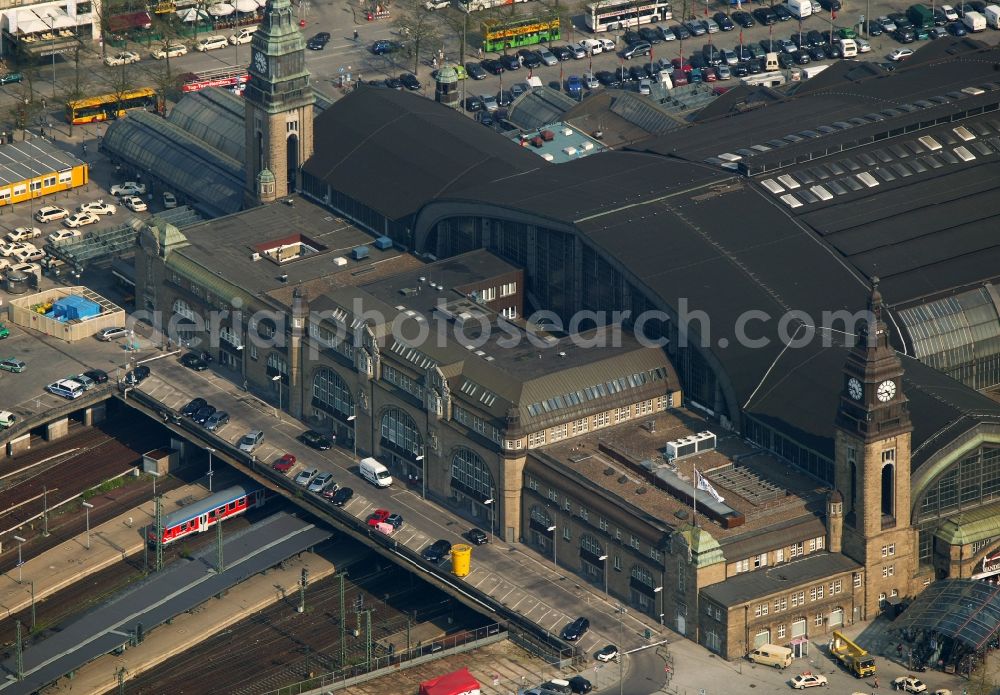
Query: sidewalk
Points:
[188, 629]
[70, 562]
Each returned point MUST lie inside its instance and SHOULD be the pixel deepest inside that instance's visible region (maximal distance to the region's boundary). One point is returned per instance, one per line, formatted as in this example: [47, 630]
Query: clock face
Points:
[854, 388]
[886, 390]
[260, 62]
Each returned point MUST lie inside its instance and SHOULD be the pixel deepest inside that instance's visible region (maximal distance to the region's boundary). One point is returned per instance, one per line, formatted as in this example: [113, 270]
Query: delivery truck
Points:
[799, 8]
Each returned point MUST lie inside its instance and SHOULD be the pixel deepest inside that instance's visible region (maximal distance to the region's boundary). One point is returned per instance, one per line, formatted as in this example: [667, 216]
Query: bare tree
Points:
[419, 29]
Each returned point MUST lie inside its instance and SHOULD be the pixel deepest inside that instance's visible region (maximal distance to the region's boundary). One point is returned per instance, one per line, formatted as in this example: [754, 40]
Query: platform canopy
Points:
[966, 610]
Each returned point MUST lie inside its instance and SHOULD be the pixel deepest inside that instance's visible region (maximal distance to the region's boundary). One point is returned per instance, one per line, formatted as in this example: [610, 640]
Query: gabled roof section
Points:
[539, 107]
[394, 151]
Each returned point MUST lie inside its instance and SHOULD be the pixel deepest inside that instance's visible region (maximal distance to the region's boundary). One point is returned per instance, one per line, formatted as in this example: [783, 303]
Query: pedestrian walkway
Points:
[189, 629]
[71, 561]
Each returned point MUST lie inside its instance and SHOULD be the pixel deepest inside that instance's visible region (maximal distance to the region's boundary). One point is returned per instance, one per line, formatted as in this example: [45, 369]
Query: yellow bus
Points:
[109, 106]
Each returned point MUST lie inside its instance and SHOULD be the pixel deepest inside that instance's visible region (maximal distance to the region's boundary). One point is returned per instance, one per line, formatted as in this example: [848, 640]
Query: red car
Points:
[284, 464]
[378, 517]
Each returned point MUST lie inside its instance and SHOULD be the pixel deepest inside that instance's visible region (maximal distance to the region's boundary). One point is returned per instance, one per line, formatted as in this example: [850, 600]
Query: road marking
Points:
[504, 597]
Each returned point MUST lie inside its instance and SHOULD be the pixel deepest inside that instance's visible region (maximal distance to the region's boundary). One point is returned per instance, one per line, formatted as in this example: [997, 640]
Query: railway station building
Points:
[777, 443]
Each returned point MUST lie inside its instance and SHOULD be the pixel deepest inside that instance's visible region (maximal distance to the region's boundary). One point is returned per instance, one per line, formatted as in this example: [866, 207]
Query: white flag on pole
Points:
[703, 484]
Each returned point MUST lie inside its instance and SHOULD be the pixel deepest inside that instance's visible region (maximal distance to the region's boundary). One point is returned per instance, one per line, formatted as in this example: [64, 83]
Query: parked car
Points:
[576, 629]
[723, 20]
[320, 482]
[378, 516]
[900, 54]
[489, 102]
[305, 477]
[251, 440]
[436, 551]
[608, 653]
[50, 213]
[695, 27]
[476, 71]
[530, 59]
[121, 58]
[201, 417]
[98, 207]
[13, 364]
[284, 464]
[784, 14]
[98, 376]
[410, 81]
[85, 381]
[218, 419]
[342, 496]
[175, 50]
[765, 16]
[580, 685]
[808, 680]
[137, 375]
[639, 49]
[193, 361]
[134, 203]
[318, 41]
[23, 233]
[112, 333]
[210, 43]
[680, 32]
[10, 78]
[744, 19]
[477, 536]
[169, 200]
[510, 62]
[244, 35]
[548, 58]
[193, 407]
[910, 684]
[81, 219]
[315, 440]
[128, 188]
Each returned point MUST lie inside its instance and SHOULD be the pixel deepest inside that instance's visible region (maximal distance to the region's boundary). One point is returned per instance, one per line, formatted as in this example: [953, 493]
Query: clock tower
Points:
[872, 467]
[279, 105]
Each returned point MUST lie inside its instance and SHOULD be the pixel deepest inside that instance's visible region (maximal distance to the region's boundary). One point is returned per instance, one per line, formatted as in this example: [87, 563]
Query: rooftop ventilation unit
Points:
[690, 445]
[383, 243]
[340, 261]
[359, 252]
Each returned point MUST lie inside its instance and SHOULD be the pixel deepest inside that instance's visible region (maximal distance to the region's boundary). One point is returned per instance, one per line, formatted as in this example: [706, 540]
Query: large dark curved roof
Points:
[395, 151]
[689, 231]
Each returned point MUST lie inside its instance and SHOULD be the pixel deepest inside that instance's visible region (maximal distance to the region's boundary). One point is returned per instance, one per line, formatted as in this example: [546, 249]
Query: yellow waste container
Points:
[461, 557]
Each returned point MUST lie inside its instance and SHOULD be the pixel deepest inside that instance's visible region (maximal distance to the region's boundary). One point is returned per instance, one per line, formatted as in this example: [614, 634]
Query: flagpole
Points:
[694, 496]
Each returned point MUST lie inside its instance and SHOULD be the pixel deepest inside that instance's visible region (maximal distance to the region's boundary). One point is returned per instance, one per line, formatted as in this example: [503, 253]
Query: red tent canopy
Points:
[456, 683]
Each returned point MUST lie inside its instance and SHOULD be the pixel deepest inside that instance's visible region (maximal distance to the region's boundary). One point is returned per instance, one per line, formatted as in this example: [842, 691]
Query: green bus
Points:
[501, 34]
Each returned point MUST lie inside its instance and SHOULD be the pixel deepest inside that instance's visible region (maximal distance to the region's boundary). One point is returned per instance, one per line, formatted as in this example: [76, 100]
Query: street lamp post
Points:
[210, 451]
[621, 657]
[604, 559]
[490, 503]
[423, 475]
[659, 592]
[277, 378]
[555, 545]
[88, 506]
[19, 560]
[353, 419]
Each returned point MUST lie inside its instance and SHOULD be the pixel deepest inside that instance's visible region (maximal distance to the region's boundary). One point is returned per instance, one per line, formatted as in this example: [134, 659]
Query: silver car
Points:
[320, 482]
[251, 440]
[306, 476]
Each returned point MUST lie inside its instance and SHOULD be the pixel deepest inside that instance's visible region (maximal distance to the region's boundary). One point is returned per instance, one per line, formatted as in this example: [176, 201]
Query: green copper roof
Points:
[972, 526]
[705, 550]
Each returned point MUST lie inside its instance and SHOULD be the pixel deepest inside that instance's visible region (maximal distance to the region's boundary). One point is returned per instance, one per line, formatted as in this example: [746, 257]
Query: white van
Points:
[771, 655]
[992, 14]
[848, 48]
[67, 388]
[374, 472]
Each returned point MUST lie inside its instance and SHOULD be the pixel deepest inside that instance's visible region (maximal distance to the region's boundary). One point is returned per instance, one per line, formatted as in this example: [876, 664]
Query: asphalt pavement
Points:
[344, 56]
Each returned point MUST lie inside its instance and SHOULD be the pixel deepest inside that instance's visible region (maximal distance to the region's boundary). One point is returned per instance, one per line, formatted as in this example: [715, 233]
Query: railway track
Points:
[59, 472]
[279, 646]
